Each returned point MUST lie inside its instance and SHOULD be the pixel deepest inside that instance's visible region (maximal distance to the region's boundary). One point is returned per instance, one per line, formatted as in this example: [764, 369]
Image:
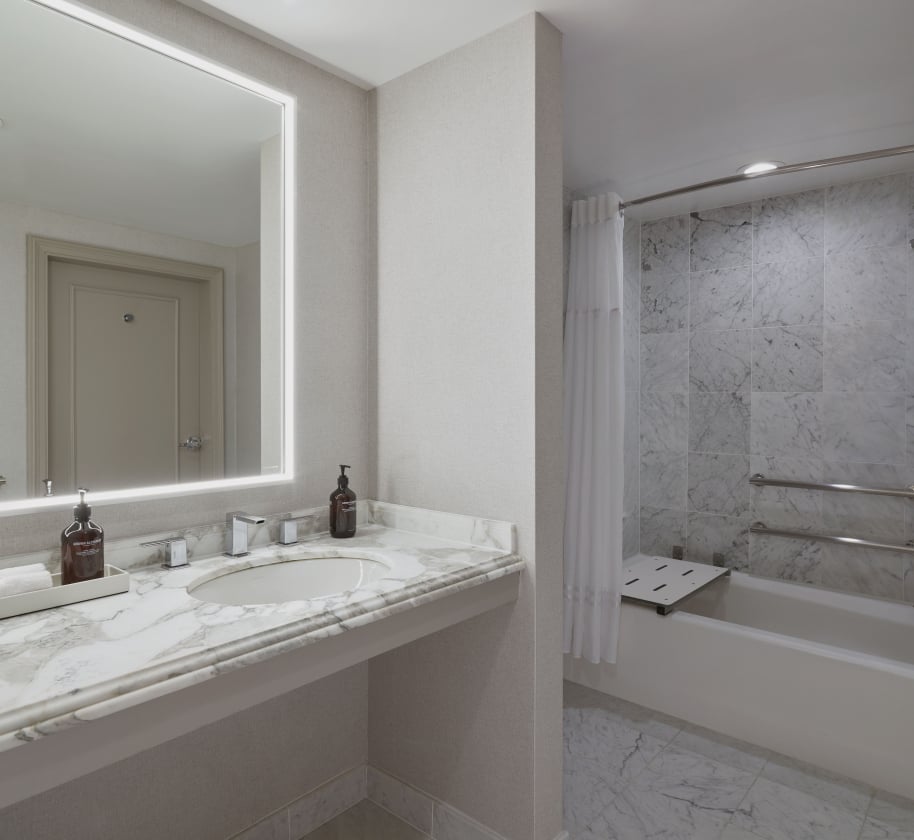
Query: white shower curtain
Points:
[594, 417]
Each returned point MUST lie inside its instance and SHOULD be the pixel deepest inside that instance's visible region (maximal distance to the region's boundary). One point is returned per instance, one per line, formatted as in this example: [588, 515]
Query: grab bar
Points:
[760, 480]
[762, 528]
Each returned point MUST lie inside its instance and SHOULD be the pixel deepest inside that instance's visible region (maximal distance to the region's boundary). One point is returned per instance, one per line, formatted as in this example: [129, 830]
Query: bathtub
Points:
[825, 677]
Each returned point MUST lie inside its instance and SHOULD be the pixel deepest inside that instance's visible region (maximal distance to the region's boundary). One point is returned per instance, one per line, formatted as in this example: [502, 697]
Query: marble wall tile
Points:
[909, 429]
[665, 245]
[866, 357]
[664, 302]
[631, 354]
[631, 455]
[867, 214]
[908, 333]
[631, 535]
[727, 535]
[789, 227]
[719, 360]
[789, 293]
[664, 422]
[868, 517]
[719, 422]
[854, 569]
[664, 480]
[787, 358]
[718, 483]
[866, 285]
[788, 424]
[721, 299]
[864, 427]
[631, 244]
[665, 362]
[631, 304]
[661, 530]
[784, 558]
[786, 506]
[874, 517]
[721, 238]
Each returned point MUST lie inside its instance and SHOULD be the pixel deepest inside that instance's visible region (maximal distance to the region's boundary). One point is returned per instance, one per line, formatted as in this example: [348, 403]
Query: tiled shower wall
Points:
[631, 328]
[775, 339]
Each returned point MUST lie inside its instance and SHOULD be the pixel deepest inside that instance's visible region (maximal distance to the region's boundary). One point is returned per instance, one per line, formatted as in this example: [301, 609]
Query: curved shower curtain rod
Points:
[781, 170]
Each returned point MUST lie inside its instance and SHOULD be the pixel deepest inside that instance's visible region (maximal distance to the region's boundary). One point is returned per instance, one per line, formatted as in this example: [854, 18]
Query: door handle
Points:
[194, 442]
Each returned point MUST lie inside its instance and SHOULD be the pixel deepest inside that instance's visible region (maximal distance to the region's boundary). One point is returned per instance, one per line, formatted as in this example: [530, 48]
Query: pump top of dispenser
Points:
[82, 511]
[343, 481]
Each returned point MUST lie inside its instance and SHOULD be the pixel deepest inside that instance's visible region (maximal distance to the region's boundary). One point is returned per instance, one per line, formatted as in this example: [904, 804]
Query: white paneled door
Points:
[124, 371]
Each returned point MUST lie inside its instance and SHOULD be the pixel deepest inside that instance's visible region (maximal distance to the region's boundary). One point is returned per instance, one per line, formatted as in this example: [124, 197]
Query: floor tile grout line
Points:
[866, 814]
[757, 776]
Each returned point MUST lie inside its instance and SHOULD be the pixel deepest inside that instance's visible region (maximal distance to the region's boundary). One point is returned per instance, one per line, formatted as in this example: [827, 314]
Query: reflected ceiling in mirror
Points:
[145, 265]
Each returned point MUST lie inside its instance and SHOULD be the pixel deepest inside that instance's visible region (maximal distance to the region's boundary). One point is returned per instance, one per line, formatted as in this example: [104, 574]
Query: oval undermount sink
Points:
[294, 580]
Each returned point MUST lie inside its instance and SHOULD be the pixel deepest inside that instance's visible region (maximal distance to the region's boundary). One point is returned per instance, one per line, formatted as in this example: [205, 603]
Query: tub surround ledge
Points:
[61, 667]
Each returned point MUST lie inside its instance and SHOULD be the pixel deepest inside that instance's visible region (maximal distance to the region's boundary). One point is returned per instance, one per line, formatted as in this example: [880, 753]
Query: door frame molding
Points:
[41, 250]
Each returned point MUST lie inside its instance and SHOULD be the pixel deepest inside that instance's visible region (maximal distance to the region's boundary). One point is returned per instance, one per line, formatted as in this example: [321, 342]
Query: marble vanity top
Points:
[62, 666]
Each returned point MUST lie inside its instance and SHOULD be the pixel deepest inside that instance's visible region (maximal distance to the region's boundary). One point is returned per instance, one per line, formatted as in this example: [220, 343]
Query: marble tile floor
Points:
[635, 774]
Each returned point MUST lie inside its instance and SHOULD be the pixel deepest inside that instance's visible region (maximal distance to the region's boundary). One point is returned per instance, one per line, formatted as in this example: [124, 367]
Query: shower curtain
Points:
[594, 416]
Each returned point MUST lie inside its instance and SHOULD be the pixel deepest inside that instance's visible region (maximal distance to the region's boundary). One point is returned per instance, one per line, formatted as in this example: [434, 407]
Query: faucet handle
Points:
[175, 551]
[288, 529]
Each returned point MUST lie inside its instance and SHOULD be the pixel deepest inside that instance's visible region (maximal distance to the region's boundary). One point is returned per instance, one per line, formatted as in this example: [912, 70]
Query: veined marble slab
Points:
[64, 666]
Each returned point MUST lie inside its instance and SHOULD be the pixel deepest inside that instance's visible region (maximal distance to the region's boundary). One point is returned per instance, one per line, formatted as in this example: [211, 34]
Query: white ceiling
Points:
[101, 128]
[658, 93]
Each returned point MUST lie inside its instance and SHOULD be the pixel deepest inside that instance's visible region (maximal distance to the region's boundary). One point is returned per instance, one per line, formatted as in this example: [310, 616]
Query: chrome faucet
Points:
[236, 532]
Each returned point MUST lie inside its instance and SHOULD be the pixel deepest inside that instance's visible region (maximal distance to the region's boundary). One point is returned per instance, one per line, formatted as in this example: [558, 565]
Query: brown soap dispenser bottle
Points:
[342, 507]
[82, 546]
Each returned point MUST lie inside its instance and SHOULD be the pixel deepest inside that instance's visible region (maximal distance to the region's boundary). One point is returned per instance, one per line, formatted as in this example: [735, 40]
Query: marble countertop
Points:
[63, 666]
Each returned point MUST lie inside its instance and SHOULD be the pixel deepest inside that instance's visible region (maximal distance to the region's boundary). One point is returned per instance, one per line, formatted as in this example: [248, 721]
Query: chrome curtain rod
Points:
[788, 169]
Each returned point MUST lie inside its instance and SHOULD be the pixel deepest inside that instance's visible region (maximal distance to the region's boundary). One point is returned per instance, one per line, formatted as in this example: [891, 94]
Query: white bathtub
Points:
[822, 676]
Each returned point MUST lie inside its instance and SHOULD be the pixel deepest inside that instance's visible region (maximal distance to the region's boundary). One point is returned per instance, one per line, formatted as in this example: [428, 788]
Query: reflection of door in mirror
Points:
[130, 373]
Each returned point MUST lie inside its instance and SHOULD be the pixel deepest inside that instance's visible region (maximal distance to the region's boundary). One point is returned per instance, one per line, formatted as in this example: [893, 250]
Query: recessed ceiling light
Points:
[759, 167]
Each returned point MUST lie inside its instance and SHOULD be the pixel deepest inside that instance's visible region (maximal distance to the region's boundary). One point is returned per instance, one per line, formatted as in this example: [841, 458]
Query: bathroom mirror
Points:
[145, 264]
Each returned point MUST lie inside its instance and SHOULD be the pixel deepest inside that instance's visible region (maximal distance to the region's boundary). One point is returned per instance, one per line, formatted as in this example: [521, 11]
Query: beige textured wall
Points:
[215, 781]
[469, 320]
[331, 277]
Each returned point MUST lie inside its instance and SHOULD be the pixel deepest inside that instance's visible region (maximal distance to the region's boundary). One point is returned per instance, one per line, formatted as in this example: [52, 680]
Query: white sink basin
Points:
[294, 580]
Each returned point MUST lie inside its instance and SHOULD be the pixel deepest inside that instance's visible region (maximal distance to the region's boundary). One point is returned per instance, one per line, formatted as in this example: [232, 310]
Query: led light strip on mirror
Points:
[287, 104]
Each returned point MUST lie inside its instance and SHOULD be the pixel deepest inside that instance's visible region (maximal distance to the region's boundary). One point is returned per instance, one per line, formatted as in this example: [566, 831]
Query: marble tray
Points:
[114, 582]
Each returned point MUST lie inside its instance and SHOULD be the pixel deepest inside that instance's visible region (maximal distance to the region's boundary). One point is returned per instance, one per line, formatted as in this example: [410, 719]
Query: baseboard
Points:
[428, 815]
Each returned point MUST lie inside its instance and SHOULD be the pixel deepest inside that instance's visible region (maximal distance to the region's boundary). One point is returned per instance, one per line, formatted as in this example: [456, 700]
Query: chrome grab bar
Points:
[762, 528]
[760, 480]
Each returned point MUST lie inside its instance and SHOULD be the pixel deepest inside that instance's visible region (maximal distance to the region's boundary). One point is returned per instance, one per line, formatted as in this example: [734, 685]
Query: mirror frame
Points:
[287, 105]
